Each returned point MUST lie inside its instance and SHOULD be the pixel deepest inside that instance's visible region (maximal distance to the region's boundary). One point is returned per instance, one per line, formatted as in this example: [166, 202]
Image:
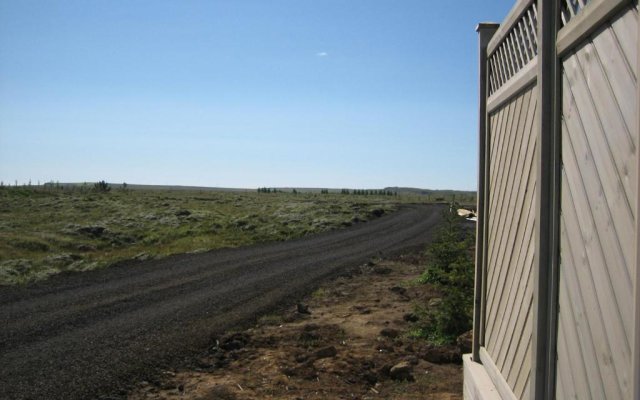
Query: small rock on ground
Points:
[390, 333]
[403, 371]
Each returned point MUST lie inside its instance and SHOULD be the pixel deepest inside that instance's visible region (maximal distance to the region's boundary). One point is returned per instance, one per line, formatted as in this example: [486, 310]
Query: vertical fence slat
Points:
[518, 37]
[523, 43]
[485, 32]
[635, 386]
[514, 50]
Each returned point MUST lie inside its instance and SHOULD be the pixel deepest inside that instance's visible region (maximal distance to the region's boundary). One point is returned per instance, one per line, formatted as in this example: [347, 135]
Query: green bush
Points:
[101, 187]
[450, 270]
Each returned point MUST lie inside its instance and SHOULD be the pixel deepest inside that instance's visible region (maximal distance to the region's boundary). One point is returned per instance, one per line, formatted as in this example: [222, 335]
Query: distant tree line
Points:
[355, 192]
[372, 192]
[369, 192]
[99, 187]
[270, 190]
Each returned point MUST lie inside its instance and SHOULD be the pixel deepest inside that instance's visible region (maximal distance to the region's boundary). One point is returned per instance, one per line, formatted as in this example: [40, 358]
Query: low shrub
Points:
[450, 270]
[101, 187]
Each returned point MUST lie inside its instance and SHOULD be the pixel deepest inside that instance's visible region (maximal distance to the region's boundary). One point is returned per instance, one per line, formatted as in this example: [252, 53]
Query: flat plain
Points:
[93, 334]
[46, 231]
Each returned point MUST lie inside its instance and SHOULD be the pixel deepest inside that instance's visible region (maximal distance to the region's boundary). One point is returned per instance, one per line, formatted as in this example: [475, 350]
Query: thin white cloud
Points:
[322, 54]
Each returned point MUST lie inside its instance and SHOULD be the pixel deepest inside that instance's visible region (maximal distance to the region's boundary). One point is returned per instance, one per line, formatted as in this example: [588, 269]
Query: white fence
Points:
[557, 309]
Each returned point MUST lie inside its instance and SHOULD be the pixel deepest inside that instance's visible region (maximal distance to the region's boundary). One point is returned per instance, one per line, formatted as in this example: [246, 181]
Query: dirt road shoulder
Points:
[349, 339]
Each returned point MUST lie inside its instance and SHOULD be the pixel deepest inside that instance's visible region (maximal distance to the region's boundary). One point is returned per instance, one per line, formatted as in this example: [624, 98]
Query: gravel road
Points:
[90, 335]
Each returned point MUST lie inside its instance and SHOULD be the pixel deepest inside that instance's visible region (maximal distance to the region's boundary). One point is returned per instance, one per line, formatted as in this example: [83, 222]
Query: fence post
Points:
[485, 33]
[547, 233]
[635, 387]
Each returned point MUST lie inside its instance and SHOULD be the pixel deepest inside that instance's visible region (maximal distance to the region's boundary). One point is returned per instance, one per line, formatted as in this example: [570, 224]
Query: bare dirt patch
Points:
[349, 340]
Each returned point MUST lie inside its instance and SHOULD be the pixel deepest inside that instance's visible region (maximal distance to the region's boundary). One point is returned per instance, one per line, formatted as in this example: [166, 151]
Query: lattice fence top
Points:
[516, 50]
[520, 45]
[571, 8]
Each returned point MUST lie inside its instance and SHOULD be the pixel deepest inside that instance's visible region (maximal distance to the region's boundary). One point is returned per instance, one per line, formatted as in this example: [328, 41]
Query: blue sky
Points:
[242, 93]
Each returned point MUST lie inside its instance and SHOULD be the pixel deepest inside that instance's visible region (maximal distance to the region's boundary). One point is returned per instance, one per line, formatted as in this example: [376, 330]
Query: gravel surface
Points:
[93, 334]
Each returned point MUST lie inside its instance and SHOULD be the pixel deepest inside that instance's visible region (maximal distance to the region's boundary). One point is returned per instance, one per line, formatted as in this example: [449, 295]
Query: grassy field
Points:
[44, 231]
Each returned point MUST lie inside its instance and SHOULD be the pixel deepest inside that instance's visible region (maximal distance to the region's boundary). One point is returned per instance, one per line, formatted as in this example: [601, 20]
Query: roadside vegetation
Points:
[45, 230]
[346, 340]
[450, 270]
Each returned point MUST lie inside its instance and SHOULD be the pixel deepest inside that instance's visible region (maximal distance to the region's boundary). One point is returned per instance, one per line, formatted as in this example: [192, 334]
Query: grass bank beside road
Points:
[47, 231]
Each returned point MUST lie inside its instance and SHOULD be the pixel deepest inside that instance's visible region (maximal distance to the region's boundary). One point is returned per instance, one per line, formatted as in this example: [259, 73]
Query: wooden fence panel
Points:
[510, 241]
[598, 222]
[560, 284]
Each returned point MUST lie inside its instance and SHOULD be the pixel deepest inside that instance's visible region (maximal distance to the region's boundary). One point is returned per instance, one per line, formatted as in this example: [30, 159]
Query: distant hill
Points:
[133, 186]
[178, 187]
[406, 191]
